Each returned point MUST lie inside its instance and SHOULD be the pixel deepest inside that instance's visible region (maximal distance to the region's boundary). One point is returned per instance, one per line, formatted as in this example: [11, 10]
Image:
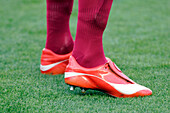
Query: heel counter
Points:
[46, 57]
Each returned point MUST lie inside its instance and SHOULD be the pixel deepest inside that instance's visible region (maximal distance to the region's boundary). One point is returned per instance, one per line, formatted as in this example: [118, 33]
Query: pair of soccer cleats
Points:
[107, 78]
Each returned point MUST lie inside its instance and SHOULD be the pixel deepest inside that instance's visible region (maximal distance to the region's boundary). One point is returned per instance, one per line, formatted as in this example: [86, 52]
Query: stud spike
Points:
[83, 90]
[72, 88]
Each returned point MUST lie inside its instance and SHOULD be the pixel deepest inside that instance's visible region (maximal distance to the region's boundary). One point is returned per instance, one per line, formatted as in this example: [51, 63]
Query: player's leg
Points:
[88, 50]
[59, 43]
[88, 68]
[59, 39]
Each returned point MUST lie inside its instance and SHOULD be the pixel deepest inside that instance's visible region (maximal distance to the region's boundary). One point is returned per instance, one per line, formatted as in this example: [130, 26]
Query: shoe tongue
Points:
[117, 71]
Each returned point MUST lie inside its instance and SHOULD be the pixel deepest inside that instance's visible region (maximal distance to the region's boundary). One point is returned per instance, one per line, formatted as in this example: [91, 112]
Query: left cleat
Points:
[52, 63]
[107, 78]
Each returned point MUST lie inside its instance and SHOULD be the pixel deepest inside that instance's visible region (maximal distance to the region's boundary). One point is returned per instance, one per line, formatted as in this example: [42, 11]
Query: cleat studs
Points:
[83, 90]
[72, 88]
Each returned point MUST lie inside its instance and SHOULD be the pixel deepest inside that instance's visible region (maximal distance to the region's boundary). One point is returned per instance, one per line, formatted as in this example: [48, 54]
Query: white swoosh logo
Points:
[47, 67]
[127, 89]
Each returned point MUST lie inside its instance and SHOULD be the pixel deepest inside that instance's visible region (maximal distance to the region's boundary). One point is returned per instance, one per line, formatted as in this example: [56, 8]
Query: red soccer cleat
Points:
[52, 63]
[107, 78]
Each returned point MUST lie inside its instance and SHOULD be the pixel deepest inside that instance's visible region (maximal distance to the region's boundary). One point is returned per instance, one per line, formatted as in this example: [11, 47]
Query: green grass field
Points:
[137, 38]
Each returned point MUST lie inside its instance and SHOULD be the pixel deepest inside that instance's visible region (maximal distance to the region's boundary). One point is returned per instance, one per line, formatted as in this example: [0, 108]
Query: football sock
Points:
[92, 19]
[59, 38]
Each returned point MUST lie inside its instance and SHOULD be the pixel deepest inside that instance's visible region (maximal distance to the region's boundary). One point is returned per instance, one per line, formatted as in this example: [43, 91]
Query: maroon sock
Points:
[59, 38]
[92, 19]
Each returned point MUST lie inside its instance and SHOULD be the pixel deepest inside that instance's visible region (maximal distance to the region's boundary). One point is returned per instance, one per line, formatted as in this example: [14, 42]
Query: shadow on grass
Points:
[58, 79]
[90, 92]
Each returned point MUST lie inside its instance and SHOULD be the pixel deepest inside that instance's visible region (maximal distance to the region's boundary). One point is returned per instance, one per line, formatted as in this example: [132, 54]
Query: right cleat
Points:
[52, 63]
[107, 78]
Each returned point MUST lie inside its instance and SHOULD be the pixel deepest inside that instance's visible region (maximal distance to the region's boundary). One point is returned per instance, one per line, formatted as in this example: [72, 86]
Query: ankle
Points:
[60, 44]
[89, 61]
[65, 48]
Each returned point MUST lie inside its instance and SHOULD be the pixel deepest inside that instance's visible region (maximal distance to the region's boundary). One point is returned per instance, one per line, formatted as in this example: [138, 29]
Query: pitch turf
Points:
[137, 38]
